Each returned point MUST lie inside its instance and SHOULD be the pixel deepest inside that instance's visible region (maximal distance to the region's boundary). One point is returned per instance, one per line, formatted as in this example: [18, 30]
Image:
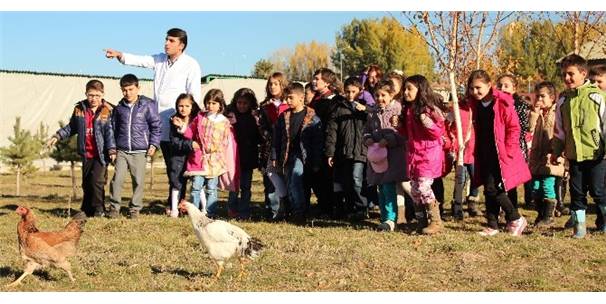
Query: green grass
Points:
[156, 253]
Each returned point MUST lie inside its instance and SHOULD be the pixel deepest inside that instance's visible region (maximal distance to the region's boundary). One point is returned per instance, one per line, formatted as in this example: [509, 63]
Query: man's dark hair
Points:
[128, 80]
[574, 60]
[178, 33]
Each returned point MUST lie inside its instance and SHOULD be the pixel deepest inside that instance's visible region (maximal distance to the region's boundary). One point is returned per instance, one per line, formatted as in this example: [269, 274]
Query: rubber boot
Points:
[548, 209]
[421, 216]
[433, 213]
[540, 208]
[580, 230]
[457, 211]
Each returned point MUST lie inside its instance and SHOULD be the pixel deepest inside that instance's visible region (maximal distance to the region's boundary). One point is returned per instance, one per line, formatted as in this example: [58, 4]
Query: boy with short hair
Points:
[91, 121]
[345, 150]
[297, 147]
[137, 131]
[580, 134]
[597, 75]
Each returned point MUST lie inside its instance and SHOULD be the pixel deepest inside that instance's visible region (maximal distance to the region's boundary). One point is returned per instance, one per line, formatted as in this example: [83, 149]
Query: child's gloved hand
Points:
[383, 143]
[369, 142]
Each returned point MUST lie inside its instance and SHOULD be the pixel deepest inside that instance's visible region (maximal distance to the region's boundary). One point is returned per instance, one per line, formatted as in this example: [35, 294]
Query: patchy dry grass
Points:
[156, 253]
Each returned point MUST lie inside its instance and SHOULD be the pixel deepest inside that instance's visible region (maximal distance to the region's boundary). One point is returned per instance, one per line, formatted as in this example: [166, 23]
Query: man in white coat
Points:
[174, 73]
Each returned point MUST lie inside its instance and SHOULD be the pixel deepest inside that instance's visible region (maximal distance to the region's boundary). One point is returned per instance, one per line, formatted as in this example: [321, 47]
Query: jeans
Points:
[211, 193]
[272, 200]
[349, 177]
[468, 177]
[544, 185]
[295, 186]
[587, 176]
[387, 202]
[242, 204]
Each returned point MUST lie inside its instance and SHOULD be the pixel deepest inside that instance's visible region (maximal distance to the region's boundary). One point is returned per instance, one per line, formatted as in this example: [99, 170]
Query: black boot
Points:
[472, 205]
[540, 208]
[548, 209]
[421, 216]
[457, 211]
[443, 215]
[561, 209]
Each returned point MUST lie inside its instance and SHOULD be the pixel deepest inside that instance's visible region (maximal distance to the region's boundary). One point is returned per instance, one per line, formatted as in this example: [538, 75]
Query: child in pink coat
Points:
[210, 130]
[499, 163]
[424, 154]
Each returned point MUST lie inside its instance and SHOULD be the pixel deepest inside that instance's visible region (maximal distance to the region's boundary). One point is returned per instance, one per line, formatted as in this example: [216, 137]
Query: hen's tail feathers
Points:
[254, 248]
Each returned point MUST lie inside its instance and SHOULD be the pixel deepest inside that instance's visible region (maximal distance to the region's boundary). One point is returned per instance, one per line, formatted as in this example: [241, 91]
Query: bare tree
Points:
[458, 43]
[580, 27]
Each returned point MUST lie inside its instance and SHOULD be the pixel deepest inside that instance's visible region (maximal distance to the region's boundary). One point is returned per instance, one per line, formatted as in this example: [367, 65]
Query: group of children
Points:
[375, 139]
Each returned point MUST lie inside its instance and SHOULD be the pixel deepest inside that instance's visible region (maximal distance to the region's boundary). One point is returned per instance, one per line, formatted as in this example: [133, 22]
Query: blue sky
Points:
[222, 42]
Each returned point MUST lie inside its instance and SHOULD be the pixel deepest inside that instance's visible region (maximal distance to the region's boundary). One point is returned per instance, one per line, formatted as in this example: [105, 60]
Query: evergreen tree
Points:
[67, 151]
[19, 156]
[263, 69]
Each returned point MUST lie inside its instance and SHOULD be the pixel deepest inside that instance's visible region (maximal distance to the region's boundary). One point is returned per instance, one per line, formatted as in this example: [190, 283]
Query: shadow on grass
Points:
[54, 198]
[7, 272]
[180, 272]
[60, 212]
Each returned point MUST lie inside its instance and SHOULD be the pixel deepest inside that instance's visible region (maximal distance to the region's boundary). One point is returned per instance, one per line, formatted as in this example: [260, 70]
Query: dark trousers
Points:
[438, 189]
[166, 154]
[94, 175]
[349, 180]
[321, 184]
[496, 199]
[587, 176]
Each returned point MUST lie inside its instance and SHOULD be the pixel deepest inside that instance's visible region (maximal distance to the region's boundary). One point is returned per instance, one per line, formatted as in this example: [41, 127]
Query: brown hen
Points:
[40, 249]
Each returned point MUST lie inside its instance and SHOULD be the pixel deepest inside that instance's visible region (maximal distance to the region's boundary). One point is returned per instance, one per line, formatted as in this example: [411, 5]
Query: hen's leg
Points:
[65, 265]
[29, 269]
[242, 271]
[219, 269]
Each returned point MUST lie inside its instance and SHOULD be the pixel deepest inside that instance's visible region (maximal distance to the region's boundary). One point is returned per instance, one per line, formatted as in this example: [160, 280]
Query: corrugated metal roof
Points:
[591, 50]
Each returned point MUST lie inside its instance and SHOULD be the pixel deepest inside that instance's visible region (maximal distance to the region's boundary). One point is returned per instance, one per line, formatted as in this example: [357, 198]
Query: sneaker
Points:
[113, 213]
[99, 213]
[489, 232]
[571, 221]
[386, 226]
[133, 215]
[359, 216]
[516, 227]
[232, 213]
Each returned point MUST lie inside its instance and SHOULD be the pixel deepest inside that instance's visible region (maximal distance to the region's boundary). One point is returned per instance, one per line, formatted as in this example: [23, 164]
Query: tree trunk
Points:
[18, 181]
[479, 47]
[577, 48]
[72, 173]
[459, 168]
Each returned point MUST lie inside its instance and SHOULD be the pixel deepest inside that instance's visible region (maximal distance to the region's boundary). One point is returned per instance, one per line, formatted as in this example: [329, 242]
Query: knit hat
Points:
[377, 156]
